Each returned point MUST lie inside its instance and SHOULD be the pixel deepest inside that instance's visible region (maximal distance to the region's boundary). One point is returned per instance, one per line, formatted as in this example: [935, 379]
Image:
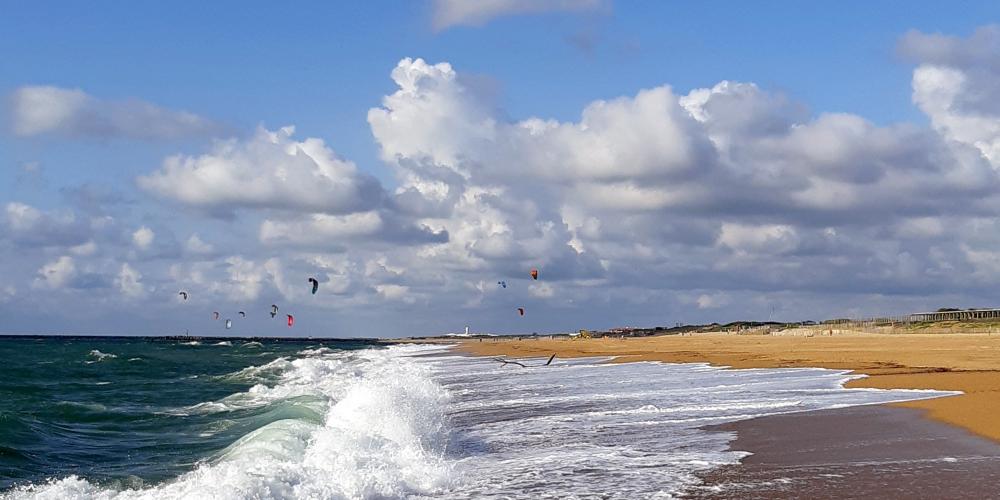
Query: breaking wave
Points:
[365, 424]
[395, 422]
[99, 356]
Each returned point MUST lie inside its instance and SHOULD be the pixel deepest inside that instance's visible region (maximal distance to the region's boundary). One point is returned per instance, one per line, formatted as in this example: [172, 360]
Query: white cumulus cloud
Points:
[713, 301]
[771, 238]
[28, 226]
[56, 274]
[955, 84]
[660, 204]
[143, 237]
[7, 293]
[21, 217]
[395, 292]
[38, 110]
[268, 170]
[196, 245]
[246, 279]
[129, 282]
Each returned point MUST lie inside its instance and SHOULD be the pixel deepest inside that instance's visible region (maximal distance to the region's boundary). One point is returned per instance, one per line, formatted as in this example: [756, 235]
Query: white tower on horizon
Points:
[466, 330]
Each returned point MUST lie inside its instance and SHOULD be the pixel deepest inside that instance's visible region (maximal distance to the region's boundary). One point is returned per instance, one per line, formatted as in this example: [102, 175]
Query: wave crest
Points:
[344, 426]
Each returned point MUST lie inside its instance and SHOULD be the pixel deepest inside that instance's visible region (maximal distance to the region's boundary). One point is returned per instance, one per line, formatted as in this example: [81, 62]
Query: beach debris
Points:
[534, 273]
[183, 294]
[508, 362]
[315, 285]
[522, 365]
[274, 310]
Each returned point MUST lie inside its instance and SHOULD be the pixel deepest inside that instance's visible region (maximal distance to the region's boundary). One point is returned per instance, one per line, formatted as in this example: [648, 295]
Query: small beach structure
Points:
[956, 315]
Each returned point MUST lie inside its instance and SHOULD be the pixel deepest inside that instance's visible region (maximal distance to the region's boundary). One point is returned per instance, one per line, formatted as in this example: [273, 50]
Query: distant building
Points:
[956, 315]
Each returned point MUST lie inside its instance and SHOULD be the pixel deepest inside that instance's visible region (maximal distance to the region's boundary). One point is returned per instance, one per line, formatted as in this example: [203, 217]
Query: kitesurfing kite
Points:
[502, 284]
[534, 273]
[520, 310]
[183, 294]
[243, 314]
[291, 320]
[229, 323]
[315, 285]
[215, 315]
[274, 310]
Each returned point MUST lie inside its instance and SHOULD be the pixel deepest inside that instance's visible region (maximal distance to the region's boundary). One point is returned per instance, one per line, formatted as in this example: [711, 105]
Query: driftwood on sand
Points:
[508, 362]
[522, 365]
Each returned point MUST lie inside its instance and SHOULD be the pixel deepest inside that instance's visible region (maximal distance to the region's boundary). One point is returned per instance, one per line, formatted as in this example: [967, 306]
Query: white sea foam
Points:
[225, 343]
[383, 423]
[261, 373]
[99, 356]
[381, 433]
[583, 428]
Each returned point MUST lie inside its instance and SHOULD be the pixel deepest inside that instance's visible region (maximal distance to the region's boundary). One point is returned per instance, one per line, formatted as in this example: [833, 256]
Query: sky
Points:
[657, 162]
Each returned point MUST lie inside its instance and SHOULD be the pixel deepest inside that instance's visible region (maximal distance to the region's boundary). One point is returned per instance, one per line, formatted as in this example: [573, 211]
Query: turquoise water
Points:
[147, 419]
[111, 410]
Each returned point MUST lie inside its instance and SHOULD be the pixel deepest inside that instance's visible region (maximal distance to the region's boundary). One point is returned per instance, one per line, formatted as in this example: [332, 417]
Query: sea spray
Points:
[336, 426]
[99, 356]
[408, 421]
[588, 428]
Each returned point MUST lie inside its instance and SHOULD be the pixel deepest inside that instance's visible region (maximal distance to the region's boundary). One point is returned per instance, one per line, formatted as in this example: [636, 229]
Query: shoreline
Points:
[969, 363]
[871, 451]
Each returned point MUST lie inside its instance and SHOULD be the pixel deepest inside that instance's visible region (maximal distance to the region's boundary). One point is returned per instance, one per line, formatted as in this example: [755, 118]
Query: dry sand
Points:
[963, 362]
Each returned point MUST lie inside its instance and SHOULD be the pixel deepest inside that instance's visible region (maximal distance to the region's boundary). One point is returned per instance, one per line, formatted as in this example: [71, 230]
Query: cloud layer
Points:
[729, 200]
[268, 170]
[41, 110]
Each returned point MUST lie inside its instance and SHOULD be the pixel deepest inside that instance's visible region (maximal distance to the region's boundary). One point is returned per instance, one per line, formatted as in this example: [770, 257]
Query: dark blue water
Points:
[106, 409]
[143, 419]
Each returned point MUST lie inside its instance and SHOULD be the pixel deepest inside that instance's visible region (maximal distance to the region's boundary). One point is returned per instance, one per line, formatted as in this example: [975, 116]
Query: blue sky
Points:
[323, 67]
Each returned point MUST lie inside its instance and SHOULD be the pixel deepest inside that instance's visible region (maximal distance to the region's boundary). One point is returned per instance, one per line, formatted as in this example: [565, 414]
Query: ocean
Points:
[154, 418]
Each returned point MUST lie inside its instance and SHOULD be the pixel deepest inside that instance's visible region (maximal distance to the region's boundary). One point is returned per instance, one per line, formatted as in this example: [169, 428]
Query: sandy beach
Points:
[856, 452]
[957, 362]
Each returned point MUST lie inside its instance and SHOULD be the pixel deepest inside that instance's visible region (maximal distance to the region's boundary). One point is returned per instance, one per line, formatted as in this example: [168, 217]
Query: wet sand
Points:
[858, 452]
[964, 362]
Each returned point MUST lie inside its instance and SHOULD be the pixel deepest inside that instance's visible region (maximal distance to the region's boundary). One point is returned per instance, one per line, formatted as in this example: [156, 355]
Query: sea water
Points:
[138, 418]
